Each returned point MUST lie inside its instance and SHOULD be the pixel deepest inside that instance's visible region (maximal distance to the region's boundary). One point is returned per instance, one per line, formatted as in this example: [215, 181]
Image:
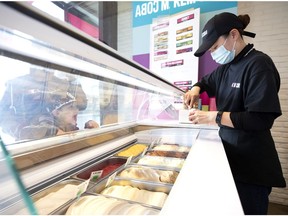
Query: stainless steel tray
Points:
[46, 192]
[134, 153]
[114, 163]
[149, 186]
[161, 153]
[161, 162]
[145, 178]
[171, 147]
[127, 203]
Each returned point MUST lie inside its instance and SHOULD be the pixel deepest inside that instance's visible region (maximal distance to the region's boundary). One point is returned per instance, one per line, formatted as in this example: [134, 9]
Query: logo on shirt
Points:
[235, 85]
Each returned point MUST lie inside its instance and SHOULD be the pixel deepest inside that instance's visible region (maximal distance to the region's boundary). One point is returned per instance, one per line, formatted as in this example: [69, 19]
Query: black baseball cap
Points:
[217, 26]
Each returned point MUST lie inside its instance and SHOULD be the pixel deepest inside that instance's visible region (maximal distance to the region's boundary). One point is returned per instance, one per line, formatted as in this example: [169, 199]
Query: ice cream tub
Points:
[159, 161]
[162, 153]
[148, 173]
[50, 199]
[92, 204]
[133, 150]
[147, 193]
[107, 166]
[171, 147]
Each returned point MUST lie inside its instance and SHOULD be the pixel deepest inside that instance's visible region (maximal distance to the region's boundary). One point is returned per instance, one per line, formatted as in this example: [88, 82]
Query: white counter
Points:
[205, 184]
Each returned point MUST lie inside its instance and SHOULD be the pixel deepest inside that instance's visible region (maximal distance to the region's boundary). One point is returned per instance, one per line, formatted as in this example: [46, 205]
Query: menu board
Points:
[174, 39]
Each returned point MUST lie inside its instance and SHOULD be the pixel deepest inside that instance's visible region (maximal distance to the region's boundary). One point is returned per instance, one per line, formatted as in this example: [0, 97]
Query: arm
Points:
[252, 121]
[191, 97]
[206, 84]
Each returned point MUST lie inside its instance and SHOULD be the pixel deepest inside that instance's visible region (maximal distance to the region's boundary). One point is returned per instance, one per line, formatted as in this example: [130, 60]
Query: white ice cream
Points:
[135, 194]
[99, 205]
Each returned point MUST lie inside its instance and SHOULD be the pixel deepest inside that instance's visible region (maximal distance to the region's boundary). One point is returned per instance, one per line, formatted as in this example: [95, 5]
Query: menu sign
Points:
[174, 39]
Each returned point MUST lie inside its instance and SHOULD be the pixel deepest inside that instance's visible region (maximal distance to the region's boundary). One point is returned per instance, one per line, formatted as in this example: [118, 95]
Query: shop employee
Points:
[245, 86]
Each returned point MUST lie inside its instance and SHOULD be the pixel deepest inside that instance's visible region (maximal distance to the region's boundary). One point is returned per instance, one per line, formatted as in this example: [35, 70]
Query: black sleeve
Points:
[199, 84]
[252, 120]
[209, 82]
[204, 87]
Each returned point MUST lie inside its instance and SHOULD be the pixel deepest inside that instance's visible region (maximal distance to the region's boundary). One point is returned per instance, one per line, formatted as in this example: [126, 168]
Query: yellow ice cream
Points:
[132, 150]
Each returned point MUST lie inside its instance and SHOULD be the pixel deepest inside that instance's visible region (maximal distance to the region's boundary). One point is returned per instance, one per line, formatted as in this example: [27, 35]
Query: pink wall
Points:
[206, 66]
[83, 25]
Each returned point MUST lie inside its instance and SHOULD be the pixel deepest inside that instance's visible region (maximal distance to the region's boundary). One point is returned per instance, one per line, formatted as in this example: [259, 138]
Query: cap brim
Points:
[203, 48]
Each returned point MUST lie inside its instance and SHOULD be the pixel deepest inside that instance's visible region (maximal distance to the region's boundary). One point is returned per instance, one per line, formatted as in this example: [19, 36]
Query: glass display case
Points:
[51, 94]
[42, 74]
[68, 102]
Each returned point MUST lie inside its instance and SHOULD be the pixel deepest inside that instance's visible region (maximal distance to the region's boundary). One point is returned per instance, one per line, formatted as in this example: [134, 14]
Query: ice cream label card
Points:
[144, 152]
[128, 160]
[110, 179]
[152, 144]
[81, 188]
[95, 175]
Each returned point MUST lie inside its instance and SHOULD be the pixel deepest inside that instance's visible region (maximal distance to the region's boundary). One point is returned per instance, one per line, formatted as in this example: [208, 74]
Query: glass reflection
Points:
[39, 102]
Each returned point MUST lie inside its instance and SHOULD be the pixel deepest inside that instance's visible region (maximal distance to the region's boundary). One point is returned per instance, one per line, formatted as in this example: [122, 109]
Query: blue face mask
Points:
[223, 56]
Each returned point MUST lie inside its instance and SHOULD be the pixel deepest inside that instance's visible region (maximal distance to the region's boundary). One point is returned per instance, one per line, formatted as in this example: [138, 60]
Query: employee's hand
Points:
[202, 117]
[191, 97]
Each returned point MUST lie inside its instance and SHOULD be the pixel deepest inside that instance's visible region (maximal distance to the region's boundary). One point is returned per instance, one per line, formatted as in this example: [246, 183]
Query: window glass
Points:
[39, 102]
[46, 91]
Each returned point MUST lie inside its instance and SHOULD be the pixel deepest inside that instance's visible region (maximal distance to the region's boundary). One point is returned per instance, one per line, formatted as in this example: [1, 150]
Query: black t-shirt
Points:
[250, 83]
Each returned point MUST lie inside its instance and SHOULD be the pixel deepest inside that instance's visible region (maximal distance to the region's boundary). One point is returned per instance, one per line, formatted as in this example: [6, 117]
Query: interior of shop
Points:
[98, 83]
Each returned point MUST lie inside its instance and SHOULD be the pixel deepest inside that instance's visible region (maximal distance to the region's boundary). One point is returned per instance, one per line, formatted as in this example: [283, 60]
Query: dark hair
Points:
[245, 20]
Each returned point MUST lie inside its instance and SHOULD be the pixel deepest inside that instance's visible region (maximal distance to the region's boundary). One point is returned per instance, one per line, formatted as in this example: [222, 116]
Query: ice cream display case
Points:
[87, 129]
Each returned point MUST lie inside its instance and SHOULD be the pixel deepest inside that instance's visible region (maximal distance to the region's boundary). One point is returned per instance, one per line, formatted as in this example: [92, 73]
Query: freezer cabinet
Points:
[202, 177]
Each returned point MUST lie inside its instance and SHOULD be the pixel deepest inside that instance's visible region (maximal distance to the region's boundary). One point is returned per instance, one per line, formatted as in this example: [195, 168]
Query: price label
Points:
[152, 144]
[94, 176]
[128, 161]
[144, 152]
[81, 188]
[110, 179]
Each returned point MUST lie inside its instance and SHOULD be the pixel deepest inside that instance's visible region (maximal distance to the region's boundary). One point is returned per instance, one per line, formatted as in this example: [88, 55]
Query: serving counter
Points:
[114, 88]
[204, 185]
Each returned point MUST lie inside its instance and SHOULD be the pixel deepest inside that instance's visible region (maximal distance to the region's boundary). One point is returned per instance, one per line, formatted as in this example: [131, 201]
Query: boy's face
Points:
[67, 117]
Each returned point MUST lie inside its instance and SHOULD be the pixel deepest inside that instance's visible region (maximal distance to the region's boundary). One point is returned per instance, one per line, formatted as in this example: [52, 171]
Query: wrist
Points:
[195, 89]
[218, 118]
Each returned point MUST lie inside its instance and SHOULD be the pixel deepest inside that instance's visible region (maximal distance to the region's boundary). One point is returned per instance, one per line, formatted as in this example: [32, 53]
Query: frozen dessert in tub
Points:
[149, 174]
[107, 166]
[176, 154]
[135, 194]
[100, 205]
[55, 196]
[171, 147]
[161, 161]
[133, 150]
